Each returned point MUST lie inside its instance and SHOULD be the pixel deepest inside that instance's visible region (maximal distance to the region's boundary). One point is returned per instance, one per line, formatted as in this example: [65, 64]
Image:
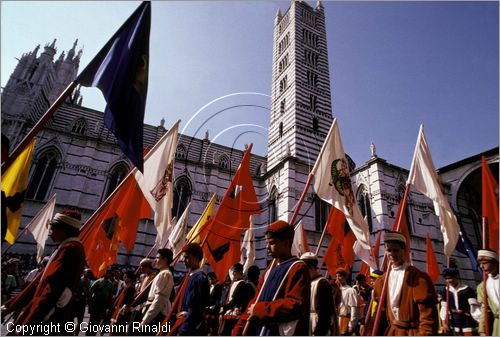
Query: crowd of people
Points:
[291, 297]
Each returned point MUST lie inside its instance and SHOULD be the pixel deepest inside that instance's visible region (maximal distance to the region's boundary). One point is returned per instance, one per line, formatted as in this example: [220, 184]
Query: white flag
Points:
[248, 245]
[39, 226]
[424, 178]
[177, 237]
[299, 245]
[157, 181]
[332, 183]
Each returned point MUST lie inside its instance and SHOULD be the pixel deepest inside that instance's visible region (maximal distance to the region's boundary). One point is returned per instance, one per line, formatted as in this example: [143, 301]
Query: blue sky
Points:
[393, 65]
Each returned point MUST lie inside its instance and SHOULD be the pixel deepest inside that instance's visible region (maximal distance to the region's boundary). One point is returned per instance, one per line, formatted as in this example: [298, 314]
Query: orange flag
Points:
[221, 243]
[403, 228]
[490, 204]
[116, 222]
[432, 265]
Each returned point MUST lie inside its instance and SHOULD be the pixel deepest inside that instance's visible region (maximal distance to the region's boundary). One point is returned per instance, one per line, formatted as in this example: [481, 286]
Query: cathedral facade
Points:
[77, 158]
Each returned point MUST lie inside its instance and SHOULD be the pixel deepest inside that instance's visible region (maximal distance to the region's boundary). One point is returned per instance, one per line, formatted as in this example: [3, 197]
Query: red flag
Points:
[347, 248]
[335, 224]
[333, 257]
[222, 237]
[365, 270]
[116, 222]
[403, 228]
[490, 204]
[376, 249]
[432, 265]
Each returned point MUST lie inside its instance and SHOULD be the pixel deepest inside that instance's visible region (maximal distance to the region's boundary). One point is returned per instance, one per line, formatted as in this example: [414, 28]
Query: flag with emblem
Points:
[332, 183]
[157, 181]
[424, 178]
[221, 239]
[115, 221]
[14, 184]
[39, 226]
[120, 71]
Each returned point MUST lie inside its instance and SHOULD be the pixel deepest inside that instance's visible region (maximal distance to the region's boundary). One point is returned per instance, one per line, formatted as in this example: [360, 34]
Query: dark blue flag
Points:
[464, 246]
[120, 71]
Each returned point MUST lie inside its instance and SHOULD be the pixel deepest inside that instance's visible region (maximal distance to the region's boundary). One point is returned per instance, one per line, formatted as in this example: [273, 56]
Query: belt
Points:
[345, 316]
[405, 325]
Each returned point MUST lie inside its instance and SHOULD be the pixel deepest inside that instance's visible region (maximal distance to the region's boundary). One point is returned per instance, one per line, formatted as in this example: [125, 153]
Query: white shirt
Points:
[396, 277]
[158, 296]
[492, 288]
[349, 305]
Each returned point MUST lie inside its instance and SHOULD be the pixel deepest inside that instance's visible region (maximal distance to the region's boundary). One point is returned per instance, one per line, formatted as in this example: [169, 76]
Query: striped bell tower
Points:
[301, 108]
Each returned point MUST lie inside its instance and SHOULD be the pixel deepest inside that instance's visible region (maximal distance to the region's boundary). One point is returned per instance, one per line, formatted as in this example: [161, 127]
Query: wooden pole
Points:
[485, 278]
[301, 200]
[38, 126]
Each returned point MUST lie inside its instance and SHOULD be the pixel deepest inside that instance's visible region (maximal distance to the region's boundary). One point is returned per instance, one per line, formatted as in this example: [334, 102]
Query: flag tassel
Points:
[38, 126]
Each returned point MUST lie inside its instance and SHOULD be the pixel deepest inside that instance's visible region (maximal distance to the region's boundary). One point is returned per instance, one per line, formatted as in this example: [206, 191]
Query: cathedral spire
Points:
[277, 19]
[71, 52]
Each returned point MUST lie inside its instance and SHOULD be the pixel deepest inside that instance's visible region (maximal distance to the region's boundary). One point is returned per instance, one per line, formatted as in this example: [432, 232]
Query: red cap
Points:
[278, 226]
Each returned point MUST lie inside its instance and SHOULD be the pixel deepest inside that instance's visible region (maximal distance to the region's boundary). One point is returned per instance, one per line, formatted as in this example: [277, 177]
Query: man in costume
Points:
[488, 260]
[410, 303]
[282, 301]
[52, 300]
[323, 316]
[461, 305]
[238, 296]
[349, 306]
[195, 295]
[158, 304]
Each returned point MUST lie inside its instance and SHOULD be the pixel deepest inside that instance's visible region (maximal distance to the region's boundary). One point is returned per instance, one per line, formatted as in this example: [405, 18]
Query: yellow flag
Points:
[14, 183]
[194, 233]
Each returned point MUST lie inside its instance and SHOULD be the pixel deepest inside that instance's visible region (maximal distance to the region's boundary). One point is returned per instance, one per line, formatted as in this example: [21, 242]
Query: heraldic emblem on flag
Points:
[161, 188]
[341, 180]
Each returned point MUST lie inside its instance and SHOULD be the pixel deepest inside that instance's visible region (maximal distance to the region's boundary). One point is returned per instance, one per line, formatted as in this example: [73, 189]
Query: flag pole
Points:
[376, 323]
[321, 239]
[37, 127]
[301, 200]
[485, 278]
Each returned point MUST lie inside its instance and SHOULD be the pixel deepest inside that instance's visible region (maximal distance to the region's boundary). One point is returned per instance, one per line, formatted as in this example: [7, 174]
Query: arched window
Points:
[282, 106]
[272, 205]
[43, 175]
[182, 195]
[224, 161]
[365, 207]
[322, 209]
[181, 152]
[116, 175]
[281, 129]
[80, 126]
